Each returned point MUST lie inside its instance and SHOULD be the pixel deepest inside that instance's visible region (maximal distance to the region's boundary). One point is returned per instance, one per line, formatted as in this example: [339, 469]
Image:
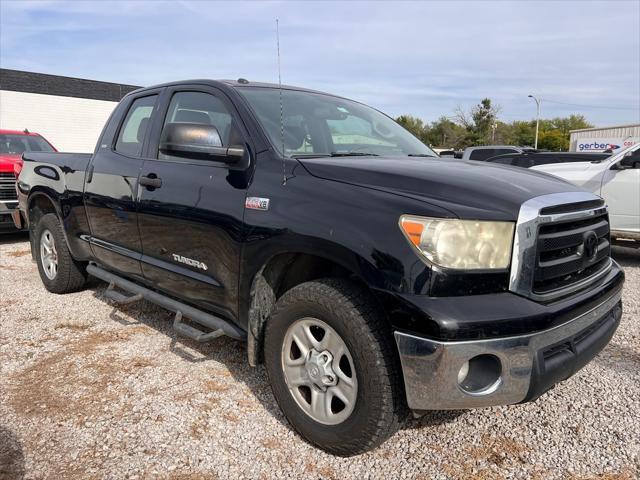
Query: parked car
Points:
[484, 152]
[617, 180]
[530, 159]
[13, 144]
[367, 280]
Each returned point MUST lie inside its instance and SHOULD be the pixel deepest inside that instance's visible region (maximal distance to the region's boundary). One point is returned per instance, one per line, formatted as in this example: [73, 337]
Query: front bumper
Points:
[528, 364]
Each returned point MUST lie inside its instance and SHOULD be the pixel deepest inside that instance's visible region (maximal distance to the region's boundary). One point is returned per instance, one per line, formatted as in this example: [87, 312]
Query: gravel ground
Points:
[89, 390]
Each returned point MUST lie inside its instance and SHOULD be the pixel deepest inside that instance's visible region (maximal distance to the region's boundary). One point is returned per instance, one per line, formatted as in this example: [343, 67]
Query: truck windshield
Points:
[14, 144]
[321, 125]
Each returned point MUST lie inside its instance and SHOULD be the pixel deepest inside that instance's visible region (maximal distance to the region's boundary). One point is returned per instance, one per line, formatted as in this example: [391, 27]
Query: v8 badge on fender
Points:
[257, 203]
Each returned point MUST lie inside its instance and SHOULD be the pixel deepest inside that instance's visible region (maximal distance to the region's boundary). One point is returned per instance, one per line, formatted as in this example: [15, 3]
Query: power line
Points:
[545, 100]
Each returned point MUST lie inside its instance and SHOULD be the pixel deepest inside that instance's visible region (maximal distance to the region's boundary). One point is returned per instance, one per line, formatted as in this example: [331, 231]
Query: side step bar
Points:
[218, 325]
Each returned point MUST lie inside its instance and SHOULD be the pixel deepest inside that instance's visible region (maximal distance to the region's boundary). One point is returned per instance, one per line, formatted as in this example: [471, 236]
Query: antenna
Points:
[284, 172]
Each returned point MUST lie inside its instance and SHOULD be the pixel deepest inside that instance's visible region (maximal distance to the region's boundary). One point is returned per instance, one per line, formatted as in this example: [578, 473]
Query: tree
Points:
[479, 122]
[445, 134]
[414, 125]
[480, 126]
[522, 133]
[553, 140]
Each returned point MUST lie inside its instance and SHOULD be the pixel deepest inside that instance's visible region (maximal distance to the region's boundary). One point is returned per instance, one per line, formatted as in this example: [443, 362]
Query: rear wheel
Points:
[333, 367]
[59, 272]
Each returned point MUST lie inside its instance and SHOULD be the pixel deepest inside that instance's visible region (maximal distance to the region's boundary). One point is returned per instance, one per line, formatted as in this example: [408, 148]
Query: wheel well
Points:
[280, 274]
[39, 205]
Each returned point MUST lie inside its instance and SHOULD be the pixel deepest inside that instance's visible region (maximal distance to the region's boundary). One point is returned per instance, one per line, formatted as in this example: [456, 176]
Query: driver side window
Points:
[202, 109]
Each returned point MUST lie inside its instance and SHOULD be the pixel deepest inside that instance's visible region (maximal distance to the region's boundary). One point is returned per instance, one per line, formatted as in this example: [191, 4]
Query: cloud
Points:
[423, 58]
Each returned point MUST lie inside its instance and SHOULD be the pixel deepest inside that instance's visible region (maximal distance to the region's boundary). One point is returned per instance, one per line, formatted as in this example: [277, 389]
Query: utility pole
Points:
[538, 101]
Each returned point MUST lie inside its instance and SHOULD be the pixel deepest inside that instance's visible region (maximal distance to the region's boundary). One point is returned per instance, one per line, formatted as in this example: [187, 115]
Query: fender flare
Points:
[263, 298]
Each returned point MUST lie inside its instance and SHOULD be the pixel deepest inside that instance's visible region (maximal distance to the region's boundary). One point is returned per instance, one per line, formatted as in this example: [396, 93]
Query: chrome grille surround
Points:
[524, 257]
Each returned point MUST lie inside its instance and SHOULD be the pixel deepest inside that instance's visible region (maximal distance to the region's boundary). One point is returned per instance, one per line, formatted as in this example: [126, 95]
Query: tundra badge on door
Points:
[190, 261]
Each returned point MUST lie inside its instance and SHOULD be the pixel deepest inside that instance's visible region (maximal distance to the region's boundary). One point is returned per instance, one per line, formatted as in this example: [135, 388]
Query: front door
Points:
[191, 220]
[111, 187]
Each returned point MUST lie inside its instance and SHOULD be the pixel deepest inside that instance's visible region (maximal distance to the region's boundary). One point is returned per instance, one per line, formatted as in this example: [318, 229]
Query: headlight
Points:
[460, 244]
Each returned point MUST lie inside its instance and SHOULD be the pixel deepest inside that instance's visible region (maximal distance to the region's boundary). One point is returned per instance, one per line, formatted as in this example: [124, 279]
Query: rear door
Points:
[111, 185]
[191, 225]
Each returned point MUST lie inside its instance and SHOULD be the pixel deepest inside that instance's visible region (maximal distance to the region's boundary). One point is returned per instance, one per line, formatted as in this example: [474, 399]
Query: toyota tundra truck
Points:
[371, 278]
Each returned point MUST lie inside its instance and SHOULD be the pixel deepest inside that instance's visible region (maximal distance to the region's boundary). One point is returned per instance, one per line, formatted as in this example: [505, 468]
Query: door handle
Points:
[151, 181]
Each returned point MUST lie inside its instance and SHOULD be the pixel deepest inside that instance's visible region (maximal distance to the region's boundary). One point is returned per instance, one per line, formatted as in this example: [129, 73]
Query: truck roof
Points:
[19, 132]
[230, 84]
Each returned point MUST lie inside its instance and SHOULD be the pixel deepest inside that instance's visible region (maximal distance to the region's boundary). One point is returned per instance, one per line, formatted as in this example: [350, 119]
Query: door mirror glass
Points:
[197, 141]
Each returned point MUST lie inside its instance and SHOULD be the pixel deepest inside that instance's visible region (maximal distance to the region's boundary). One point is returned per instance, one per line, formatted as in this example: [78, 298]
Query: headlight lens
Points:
[460, 244]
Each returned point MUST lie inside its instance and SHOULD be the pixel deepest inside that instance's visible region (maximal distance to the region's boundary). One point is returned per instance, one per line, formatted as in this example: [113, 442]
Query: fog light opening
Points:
[481, 375]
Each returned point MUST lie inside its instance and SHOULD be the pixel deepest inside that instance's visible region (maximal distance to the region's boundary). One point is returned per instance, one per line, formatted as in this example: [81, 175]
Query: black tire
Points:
[380, 404]
[71, 275]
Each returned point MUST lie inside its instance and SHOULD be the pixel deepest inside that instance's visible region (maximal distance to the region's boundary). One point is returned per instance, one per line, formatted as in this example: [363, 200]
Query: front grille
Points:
[565, 255]
[8, 186]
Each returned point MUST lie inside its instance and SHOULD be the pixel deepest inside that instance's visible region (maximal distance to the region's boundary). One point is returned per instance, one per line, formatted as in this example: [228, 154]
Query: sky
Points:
[418, 58]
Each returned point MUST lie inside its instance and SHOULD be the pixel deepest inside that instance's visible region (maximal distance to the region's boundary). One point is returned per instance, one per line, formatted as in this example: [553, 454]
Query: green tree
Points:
[522, 133]
[480, 126]
[414, 125]
[444, 133]
[553, 140]
[479, 122]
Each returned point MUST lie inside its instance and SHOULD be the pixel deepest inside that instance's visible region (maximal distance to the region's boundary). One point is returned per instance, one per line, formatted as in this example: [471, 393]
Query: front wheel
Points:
[59, 272]
[333, 368]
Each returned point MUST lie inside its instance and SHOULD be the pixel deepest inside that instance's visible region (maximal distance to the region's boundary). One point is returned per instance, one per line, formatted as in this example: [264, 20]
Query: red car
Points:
[13, 144]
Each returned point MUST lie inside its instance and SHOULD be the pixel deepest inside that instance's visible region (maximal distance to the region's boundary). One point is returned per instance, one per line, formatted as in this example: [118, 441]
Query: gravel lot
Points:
[90, 390]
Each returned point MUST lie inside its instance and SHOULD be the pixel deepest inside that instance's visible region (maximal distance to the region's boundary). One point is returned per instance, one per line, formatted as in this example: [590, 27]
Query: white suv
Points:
[617, 180]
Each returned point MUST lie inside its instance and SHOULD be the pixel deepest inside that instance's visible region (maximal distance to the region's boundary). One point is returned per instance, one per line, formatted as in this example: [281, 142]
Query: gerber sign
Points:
[602, 144]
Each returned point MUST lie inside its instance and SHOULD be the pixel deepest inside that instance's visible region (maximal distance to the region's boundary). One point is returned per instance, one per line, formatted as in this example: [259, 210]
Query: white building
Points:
[69, 112]
[601, 139]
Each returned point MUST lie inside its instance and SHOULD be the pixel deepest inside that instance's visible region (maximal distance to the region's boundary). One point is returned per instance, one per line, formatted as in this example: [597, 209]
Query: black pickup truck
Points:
[370, 277]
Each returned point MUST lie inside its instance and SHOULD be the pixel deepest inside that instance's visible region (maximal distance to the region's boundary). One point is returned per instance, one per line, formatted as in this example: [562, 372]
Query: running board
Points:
[193, 333]
[217, 324]
[119, 297]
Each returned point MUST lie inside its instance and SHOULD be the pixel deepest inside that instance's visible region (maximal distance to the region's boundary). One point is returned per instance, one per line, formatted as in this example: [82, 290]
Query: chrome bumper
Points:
[430, 367]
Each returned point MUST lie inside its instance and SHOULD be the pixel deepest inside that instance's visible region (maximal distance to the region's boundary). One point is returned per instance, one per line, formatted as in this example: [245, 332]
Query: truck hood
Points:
[569, 167]
[7, 162]
[587, 175]
[468, 189]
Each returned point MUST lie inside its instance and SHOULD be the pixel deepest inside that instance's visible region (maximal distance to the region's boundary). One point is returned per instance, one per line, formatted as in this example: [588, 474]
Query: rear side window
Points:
[502, 151]
[135, 125]
[484, 153]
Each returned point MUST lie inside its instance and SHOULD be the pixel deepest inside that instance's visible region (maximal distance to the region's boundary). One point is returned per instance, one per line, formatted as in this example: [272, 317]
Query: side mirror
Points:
[630, 160]
[195, 140]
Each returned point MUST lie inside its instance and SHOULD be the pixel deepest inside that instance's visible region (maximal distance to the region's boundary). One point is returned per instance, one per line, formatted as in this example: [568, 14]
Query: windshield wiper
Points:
[334, 154]
[353, 154]
[421, 155]
[310, 155]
